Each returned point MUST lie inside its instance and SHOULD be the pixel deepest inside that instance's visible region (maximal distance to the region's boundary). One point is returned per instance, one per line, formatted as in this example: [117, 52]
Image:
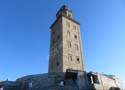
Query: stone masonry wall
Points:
[73, 30]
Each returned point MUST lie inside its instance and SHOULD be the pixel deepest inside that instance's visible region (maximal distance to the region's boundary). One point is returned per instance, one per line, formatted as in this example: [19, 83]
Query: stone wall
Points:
[104, 81]
[65, 81]
[71, 46]
[55, 58]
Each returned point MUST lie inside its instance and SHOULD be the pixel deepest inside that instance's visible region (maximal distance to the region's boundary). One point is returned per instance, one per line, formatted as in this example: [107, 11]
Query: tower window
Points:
[68, 24]
[57, 63]
[75, 36]
[69, 16]
[76, 47]
[70, 57]
[77, 58]
[69, 44]
[74, 27]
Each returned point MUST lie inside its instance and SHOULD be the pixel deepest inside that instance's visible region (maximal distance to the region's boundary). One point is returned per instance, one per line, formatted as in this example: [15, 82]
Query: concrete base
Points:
[70, 80]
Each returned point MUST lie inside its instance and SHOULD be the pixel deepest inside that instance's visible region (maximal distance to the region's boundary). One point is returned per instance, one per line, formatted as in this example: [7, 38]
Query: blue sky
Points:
[25, 35]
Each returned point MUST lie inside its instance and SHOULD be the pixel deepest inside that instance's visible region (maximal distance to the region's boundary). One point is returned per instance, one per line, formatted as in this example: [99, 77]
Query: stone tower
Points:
[65, 47]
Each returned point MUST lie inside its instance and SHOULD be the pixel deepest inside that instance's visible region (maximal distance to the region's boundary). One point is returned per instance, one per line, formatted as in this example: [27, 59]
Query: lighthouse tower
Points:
[65, 45]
